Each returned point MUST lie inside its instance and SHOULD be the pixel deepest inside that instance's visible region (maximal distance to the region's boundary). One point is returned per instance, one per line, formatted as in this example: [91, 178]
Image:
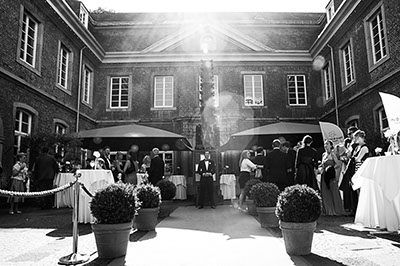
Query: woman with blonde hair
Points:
[246, 167]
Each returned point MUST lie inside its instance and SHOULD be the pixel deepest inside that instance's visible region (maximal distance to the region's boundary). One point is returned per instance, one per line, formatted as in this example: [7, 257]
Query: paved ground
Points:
[189, 236]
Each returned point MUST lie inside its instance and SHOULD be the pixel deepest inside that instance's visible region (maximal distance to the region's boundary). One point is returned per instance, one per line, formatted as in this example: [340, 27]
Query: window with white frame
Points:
[327, 78]
[377, 34]
[348, 66]
[383, 121]
[29, 39]
[253, 90]
[164, 91]
[215, 91]
[84, 16]
[87, 84]
[330, 11]
[297, 91]
[60, 129]
[119, 92]
[63, 62]
[22, 128]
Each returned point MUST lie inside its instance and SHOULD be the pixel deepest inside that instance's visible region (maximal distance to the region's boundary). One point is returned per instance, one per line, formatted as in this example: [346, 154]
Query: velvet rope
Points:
[8, 193]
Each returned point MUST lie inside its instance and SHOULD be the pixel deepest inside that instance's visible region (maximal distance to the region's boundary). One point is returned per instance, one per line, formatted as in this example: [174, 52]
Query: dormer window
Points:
[330, 11]
[84, 16]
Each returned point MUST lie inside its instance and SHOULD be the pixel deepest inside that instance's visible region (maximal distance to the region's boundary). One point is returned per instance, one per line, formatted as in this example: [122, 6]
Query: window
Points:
[330, 11]
[63, 62]
[23, 127]
[60, 129]
[29, 39]
[347, 64]
[253, 90]
[376, 37]
[87, 84]
[164, 91]
[383, 121]
[352, 121]
[84, 16]
[297, 89]
[327, 78]
[119, 93]
[215, 92]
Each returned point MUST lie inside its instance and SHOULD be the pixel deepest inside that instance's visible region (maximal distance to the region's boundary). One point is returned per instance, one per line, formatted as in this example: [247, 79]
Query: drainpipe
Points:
[79, 90]
[334, 86]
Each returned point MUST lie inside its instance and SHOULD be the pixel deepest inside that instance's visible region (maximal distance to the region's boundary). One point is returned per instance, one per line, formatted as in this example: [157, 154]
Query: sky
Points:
[208, 5]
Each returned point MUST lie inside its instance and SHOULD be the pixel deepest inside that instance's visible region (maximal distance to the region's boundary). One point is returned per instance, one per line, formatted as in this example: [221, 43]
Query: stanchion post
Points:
[75, 257]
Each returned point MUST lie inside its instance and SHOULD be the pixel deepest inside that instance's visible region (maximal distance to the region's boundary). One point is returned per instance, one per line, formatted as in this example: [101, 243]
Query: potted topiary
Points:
[113, 208]
[251, 207]
[298, 209]
[168, 192]
[265, 196]
[149, 198]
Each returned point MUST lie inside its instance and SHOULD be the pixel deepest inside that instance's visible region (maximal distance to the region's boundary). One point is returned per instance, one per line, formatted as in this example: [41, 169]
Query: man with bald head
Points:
[156, 171]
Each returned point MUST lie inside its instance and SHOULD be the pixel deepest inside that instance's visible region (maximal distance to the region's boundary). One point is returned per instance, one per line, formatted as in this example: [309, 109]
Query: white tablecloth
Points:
[180, 183]
[93, 181]
[228, 186]
[379, 203]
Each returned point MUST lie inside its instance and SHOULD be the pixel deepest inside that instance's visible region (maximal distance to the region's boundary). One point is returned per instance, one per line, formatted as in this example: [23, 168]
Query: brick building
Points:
[64, 69]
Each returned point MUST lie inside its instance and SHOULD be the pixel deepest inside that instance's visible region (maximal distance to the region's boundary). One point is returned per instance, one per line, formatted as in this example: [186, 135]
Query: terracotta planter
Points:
[146, 219]
[298, 237]
[251, 207]
[112, 239]
[165, 208]
[267, 217]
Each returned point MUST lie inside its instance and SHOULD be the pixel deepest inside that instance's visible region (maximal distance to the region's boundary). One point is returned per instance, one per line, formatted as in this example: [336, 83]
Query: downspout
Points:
[79, 90]
[334, 86]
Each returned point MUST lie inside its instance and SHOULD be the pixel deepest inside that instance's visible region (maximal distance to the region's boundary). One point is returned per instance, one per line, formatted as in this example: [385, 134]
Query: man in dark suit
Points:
[277, 166]
[286, 148]
[156, 171]
[206, 170]
[106, 157]
[45, 170]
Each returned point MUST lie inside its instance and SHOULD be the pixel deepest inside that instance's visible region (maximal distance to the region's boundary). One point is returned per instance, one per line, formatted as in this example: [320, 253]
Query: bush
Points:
[265, 194]
[148, 195]
[248, 185]
[114, 204]
[167, 188]
[298, 204]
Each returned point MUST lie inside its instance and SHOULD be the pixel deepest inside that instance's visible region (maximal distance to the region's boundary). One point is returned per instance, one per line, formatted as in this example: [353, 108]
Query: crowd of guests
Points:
[126, 170]
[330, 175]
[41, 176]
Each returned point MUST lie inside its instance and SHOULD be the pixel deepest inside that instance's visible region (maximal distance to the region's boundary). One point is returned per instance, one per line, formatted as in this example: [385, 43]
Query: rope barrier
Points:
[86, 190]
[8, 193]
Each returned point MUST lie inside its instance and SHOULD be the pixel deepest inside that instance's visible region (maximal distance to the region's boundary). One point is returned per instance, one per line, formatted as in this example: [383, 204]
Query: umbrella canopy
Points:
[264, 135]
[123, 137]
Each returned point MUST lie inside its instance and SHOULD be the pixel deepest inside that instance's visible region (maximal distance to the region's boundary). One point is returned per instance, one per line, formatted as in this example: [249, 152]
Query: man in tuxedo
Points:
[106, 157]
[206, 170]
[277, 166]
[156, 171]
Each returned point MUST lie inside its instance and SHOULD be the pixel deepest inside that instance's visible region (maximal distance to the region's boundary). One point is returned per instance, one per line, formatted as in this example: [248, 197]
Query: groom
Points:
[206, 170]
